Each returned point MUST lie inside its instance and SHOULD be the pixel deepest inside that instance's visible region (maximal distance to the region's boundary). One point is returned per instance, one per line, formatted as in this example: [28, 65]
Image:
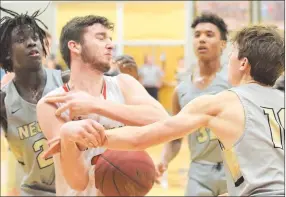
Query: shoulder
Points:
[125, 79]
[42, 102]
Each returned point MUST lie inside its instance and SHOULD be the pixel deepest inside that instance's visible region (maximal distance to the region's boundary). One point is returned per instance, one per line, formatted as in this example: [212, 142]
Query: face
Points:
[236, 67]
[26, 49]
[207, 41]
[97, 47]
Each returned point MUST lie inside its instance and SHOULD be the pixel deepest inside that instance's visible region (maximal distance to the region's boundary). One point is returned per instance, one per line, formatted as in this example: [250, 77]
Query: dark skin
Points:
[30, 77]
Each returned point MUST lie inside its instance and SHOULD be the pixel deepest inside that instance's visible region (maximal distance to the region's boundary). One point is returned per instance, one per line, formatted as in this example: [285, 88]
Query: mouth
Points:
[202, 49]
[34, 53]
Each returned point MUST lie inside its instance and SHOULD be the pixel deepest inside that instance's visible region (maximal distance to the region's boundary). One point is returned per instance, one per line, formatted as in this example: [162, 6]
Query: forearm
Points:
[171, 150]
[73, 166]
[140, 138]
[131, 115]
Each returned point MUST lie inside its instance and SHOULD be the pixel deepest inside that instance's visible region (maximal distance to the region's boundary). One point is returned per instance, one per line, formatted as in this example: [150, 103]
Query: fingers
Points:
[56, 139]
[55, 148]
[57, 99]
[100, 132]
[63, 108]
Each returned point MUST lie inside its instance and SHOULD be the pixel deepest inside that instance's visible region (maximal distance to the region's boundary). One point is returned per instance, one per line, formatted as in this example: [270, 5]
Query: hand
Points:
[78, 103]
[160, 169]
[85, 133]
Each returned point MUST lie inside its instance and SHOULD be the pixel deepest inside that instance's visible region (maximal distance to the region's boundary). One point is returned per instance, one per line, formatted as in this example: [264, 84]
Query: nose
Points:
[202, 39]
[110, 45]
[30, 42]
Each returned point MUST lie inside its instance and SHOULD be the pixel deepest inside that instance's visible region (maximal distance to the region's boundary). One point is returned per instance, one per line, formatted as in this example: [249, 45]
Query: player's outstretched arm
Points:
[205, 111]
[193, 116]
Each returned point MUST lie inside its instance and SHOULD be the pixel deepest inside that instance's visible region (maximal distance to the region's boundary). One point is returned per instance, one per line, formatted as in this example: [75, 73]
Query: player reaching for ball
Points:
[248, 119]
[86, 47]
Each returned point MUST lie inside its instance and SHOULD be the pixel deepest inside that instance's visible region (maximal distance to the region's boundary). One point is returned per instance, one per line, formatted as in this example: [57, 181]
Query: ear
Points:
[244, 65]
[74, 47]
[223, 45]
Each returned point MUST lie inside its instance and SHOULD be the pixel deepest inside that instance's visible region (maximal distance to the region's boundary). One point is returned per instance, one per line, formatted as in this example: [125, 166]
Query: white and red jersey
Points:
[110, 91]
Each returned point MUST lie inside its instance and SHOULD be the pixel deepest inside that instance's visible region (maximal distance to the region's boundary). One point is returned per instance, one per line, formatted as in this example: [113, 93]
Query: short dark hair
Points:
[74, 29]
[208, 17]
[7, 24]
[263, 46]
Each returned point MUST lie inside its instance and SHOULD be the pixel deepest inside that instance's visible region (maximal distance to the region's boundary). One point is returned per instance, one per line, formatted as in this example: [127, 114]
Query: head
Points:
[88, 39]
[21, 41]
[258, 54]
[148, 60]
[210, 36]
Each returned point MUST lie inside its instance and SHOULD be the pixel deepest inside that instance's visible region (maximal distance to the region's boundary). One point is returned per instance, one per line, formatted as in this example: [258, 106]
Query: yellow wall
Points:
[154, 20]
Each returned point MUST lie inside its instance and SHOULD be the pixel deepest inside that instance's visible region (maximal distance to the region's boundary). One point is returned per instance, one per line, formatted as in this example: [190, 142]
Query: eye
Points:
[210, 34]
[20, 40]
[100, 37]
[197, 35]
[35, 37]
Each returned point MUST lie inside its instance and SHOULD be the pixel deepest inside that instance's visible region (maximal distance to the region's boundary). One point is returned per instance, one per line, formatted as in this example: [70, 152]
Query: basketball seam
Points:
[124, 173]
[105, 172]
[113, 178]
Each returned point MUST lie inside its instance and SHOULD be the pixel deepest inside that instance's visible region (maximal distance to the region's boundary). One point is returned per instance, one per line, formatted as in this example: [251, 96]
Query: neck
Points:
[85, 78]
[34, 79]
[208, 68]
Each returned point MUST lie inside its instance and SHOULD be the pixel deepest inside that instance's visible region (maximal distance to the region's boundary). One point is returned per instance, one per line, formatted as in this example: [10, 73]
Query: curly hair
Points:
[7, 24]
[263, 46]
[74, 30]
[208, 17]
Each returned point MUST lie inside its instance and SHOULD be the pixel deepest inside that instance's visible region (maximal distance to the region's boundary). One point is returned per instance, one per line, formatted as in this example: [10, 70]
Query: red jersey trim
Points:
[103, 91]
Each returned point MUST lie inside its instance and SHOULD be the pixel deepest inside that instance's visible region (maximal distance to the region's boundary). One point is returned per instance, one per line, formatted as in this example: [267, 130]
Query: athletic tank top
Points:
[203, 144]
[27, 141]
[111, 91]
[255, 163]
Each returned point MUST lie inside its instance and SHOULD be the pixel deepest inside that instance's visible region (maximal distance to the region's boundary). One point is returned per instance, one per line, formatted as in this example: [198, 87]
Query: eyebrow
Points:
[208, 31]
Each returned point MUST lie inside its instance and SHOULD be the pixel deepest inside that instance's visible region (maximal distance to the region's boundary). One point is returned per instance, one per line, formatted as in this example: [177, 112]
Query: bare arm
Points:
[140, 108]
[171, 149]
[73, 167]
[205, 111]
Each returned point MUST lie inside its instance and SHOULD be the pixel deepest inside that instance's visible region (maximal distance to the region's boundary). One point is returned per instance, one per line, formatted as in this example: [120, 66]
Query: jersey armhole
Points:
[246, 118]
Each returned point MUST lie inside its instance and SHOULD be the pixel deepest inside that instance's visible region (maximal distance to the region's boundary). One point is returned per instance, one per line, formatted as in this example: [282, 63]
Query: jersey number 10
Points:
[276, 125]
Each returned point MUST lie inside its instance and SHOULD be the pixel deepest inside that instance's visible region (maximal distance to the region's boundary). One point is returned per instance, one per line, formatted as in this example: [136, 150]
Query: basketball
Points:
[124, 173]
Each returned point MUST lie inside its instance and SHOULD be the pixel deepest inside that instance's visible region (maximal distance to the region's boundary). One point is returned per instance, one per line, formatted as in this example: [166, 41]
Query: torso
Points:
[203, 144]
[26, 139]
[255, 162]
[113, 93]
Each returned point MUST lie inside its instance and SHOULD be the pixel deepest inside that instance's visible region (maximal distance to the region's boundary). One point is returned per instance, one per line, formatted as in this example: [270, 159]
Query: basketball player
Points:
[86, 46]
[248, 119]
[206, 175]
[22, 42]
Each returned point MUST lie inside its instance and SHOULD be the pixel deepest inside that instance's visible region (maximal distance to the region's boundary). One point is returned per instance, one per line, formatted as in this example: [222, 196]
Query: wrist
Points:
[97, 106]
